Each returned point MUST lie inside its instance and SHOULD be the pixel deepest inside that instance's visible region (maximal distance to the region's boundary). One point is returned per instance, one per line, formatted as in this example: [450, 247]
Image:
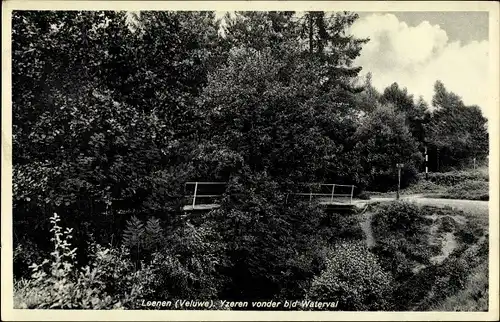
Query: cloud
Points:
[415, 57]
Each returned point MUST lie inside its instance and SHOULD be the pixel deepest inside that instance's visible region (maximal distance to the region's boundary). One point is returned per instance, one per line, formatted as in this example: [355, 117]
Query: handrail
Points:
[319, 194]
[310, 194]
[328, 184]
[207, 182]
[310, 183]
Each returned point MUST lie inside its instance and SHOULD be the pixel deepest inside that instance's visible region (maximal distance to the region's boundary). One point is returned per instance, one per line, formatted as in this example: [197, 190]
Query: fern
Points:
[133, 236]
[153, 233]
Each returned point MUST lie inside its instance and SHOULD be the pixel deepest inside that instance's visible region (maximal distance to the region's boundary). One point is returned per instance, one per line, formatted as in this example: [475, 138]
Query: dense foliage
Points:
[456, 133]
[354, 277]
[114, 111]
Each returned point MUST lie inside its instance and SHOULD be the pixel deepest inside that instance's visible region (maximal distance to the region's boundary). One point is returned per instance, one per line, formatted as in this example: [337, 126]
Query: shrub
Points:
[455, 177]
[447, 224]
[424, 186]
[354, 277]
[142, 240]
[470, 233]
[344, 226]
[189, 263]
[474, 297]
[401, 218]
[402, 230]
[25, 253]
[468, 189]
[393, 260]
[110, 281]
[437, 283]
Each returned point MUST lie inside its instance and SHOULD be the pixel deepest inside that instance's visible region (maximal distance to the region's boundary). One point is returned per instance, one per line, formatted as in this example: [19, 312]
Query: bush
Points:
[468, 189]
[470, 233]
[189, 264]
[110, 281]
[403, 218]
[25, 253]
[423, 186]
[455, 177]
[474, 297]
[393, 260]
[447, 224]
[344, 226]
[354, 277]
[401, 230]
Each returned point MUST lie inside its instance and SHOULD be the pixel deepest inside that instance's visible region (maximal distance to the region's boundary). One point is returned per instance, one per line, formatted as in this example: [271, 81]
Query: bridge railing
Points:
[206, 195]
[328, 192]
[203, 191]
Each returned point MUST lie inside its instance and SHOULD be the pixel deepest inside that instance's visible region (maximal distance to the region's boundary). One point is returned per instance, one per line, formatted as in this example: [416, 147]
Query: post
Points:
[399, 166]
[399, 182]
[310, 196]
[195, 190]
[352, 192]
[474, 163]
[437, 160]
[426, 164]
[333, 191]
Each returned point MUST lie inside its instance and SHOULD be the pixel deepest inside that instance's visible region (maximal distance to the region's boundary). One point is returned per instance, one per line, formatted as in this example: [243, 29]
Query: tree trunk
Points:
[310, 33]
[437, 159]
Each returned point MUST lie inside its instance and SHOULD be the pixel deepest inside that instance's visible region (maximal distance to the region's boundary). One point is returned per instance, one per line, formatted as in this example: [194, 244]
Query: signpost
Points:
[399, 166]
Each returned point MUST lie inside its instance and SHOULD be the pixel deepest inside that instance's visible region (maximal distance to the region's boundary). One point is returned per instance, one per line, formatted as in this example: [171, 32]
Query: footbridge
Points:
[205, 196]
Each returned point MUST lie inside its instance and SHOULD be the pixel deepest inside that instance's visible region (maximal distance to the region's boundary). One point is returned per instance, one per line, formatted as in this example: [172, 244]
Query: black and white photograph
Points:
[239, 162]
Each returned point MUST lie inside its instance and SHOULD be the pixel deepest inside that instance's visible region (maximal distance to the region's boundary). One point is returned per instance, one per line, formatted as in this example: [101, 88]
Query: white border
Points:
[10, 314]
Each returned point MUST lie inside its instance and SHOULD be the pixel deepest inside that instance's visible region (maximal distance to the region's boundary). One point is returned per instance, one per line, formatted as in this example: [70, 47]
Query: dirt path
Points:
[366, 226]
[473, 206]
[448, 245]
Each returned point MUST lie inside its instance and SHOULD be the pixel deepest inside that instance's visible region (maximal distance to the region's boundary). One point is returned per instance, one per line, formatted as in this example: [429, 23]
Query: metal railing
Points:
[197, 195]
[328, 197]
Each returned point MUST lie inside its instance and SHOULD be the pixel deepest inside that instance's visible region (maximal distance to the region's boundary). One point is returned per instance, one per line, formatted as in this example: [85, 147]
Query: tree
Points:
[415, 114]
[398, 97]
[330, 45]
[256, 117]
[104, 113]
[272, 122]
[456, 132]
[368, 100]
[383, 140]
[329, 68]
[259, 29]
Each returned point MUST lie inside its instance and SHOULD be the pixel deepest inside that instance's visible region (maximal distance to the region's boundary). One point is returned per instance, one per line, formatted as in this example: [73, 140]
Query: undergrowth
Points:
[403, 234]
[110, 281]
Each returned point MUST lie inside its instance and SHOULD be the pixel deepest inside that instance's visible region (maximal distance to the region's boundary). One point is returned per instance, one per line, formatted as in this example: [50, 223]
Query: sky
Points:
[415, 49]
